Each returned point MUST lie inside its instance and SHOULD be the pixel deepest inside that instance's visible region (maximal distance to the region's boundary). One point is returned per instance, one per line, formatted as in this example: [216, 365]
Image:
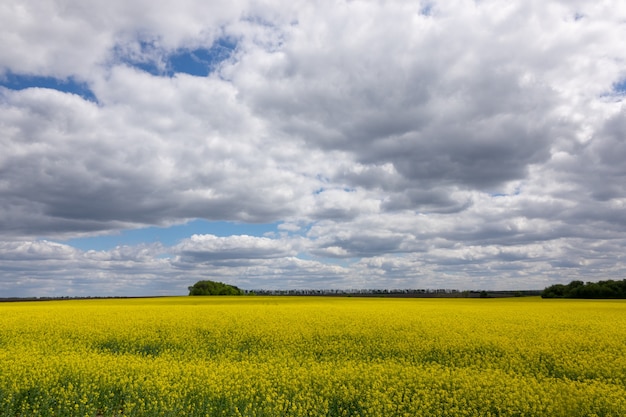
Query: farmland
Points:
[313, 356]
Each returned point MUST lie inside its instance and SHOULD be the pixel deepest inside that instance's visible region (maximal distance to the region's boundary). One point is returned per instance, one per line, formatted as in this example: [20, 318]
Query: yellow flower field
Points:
[313, 356]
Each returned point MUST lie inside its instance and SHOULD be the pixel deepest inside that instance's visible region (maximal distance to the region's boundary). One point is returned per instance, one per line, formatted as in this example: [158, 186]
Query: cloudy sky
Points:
[310, 144]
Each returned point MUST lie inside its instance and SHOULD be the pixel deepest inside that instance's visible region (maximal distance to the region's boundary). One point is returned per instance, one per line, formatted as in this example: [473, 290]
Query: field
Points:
[313, 356]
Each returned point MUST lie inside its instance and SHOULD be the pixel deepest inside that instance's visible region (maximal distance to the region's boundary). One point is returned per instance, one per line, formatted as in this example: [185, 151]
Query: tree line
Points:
[207, 287]
[575, 289]
[579, 289]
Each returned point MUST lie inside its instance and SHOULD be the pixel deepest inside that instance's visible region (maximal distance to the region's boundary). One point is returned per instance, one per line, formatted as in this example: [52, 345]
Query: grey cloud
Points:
[380, 176]
[432, 201]
[71, 165]
[606, 156]
[472, 155]
[581, 189]
[362, 245]
[366, 237]
[472, 144]
[337, 204]
[436, 123]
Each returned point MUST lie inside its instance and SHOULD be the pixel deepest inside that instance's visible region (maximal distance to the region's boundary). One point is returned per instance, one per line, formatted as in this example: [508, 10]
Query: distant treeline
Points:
[579, 289]
[78, 297]
[225, 289]
[398, 293]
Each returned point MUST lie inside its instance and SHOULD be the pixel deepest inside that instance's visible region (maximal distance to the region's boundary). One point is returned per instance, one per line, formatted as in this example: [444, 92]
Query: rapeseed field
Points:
[313, 356]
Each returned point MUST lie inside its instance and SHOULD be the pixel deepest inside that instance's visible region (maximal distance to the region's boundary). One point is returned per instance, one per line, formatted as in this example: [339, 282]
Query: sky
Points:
[287, 144]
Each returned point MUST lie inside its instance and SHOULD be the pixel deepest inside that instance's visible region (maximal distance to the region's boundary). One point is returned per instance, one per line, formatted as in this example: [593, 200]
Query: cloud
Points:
[44, 268]
[37, 37]
[35, 251]
[74, 166]
[412, 143]
[201, 248]
[451, 118]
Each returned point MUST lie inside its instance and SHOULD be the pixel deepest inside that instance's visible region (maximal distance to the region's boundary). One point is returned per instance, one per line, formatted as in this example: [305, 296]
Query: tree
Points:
[208, 287]
[578, 289]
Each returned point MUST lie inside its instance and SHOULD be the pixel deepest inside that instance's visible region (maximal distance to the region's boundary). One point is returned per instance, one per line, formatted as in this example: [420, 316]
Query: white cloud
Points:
[409, 143]
[35, 251]
[213, 248]
[76, 38]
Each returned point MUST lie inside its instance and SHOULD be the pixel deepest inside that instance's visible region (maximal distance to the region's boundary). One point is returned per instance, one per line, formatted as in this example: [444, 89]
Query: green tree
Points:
[578, 289]
[207, 287]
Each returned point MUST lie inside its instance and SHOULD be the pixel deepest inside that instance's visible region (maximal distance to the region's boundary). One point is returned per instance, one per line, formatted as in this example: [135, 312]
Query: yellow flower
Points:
[292, 356]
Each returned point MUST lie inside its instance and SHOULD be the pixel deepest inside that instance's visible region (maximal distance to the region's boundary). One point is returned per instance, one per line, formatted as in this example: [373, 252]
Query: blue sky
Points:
[291, 145]
[197, 61]
[68, 85]
[171, 235]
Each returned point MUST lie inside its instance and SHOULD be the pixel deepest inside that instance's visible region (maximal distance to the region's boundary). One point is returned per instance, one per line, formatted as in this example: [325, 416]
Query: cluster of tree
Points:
[579, 289]
[213, 288]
